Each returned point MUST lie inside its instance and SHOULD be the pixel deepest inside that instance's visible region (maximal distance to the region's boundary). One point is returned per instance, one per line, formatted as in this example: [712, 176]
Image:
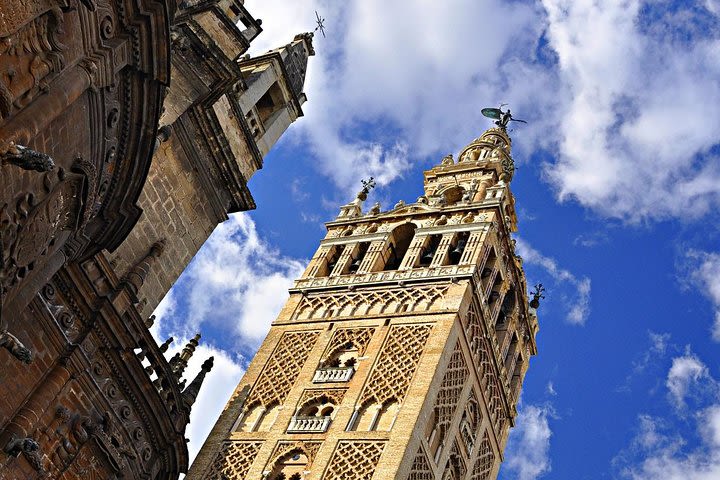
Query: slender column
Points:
[63, 92]
[441, 254]
[26, 419]
[413, 252]
[374, 257]
[344, 260]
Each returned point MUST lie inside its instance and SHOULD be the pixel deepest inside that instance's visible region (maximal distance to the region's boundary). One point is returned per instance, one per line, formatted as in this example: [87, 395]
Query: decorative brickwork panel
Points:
[420, 469]
[455, 469]
[371, 302]
[485, 460]
[396, 364]
[282, 368]
[448, 397]
[334, 395]
[234, 461]
[359, 337]
[354, 461]
[310, 449]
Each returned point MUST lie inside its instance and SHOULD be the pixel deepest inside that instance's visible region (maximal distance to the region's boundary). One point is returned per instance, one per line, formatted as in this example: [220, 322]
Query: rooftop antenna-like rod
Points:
[320, 23]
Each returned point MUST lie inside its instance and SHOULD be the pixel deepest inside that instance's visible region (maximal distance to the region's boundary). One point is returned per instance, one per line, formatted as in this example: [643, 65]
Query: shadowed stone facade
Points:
[128, 130]
[403, 347]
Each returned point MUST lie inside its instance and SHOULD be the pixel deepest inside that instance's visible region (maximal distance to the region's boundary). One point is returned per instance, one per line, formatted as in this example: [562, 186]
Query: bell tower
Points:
[403, 347]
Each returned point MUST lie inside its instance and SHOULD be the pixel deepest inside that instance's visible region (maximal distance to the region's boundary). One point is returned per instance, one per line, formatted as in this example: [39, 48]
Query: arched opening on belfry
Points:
[400, 240]
[272, 101]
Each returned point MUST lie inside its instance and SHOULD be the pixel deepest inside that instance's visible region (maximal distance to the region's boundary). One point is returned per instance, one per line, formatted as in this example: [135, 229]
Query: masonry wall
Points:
[175, 208]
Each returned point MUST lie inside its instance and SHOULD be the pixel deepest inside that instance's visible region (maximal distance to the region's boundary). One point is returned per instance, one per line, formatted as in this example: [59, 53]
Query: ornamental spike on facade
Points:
[402, 349]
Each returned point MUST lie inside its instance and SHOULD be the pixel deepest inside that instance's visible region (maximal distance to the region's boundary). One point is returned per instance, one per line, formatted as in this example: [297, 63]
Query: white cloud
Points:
[411, 79]
[608, 90]
[686, 372]
[663, 449]
[527, 455]
[639, 115]
[705, 272]
[579, 305]
[236, 282]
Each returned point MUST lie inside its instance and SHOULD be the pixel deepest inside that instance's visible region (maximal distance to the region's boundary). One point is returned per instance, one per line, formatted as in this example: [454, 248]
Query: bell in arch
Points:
[456, 253]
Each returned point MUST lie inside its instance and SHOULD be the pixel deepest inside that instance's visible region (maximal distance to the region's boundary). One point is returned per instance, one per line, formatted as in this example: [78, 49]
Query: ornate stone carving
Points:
[310, 449]
[420, 469]
[396, 364]
[357, 337]
[234, 460]
[27, 159]
[485, 460]
[356, 460]
[448, 397]
[15, 347]
[281, 371]
[370, 302]
[334, 395]
[29, 43]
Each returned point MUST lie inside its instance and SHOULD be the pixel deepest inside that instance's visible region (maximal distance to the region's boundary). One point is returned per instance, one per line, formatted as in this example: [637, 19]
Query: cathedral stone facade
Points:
[128, 130]
[403, 347]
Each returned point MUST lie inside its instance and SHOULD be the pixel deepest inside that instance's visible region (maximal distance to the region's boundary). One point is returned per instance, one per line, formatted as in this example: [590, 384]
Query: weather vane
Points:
[537, 295]
[502, 118]
[368, 185]
[320, 23]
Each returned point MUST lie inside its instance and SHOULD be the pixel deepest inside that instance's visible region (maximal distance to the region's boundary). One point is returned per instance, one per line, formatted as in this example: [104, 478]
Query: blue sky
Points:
[618, 190]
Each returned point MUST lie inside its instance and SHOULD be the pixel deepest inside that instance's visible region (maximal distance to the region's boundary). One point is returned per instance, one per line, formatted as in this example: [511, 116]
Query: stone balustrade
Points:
[333, 374]
[303, 424]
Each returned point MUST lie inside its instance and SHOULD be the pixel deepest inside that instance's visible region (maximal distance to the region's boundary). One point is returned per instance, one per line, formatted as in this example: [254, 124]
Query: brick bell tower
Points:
[402, 349]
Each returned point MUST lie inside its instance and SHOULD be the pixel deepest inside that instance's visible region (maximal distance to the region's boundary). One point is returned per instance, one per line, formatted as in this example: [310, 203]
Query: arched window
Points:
[268, 418]
[489, 266]
[291, 466]
[313, 417]
[339, 366]
[495, 292]
[366, 418]
[507, 308]
[400, 239]
[250, 418]
[386, 416]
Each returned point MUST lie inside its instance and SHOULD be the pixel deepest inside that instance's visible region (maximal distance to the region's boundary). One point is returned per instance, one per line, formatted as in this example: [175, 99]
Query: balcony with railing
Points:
[309, 424]
[333, 374]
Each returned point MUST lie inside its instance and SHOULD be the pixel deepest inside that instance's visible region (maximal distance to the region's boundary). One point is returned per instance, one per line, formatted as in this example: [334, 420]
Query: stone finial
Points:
[447, 160]
[537, 295]
[137, 275]
[166, 344]
[190, 394]
[150, 321]
[375, 209]
[179, 361]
